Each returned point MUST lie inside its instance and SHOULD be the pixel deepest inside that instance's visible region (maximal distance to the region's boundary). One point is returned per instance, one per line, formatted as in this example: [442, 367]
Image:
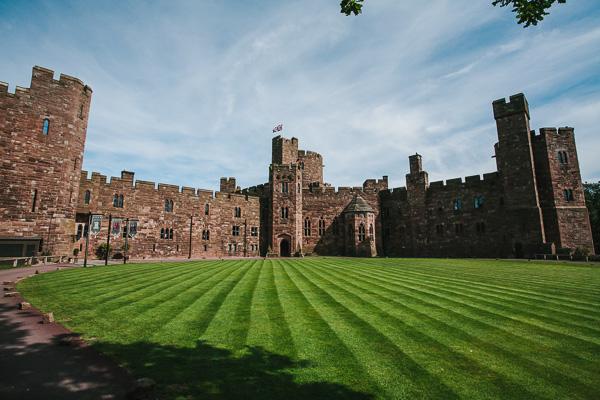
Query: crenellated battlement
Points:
[43, 84]
[308, 154]
[517, 104]
[472, 181]
[126, 179]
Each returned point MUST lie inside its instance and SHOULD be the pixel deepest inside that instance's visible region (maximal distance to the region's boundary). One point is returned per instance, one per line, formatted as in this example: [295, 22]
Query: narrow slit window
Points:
[34, 200]
[46, 127]
[87, 197]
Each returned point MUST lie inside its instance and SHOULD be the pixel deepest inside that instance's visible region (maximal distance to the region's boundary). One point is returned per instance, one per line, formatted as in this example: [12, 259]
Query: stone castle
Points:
[533, 204]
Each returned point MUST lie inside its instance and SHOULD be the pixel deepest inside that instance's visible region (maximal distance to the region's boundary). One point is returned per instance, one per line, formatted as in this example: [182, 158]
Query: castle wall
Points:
[557, 168]
[534, 202]
[327, 204]
[145, 202]
[438, 228]
[39, 175]
[311, 165]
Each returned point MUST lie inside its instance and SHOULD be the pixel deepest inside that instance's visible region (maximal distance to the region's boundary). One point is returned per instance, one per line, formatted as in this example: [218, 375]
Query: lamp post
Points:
[87, 239]
[108, 239]
[126, 237]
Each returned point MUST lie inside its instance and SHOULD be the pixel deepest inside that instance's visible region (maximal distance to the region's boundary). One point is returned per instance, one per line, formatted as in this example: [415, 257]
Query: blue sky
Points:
[188, 91]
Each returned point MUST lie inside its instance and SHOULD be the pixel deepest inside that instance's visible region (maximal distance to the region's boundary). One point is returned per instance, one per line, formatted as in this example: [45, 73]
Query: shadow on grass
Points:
[207, 372]
[35, 366]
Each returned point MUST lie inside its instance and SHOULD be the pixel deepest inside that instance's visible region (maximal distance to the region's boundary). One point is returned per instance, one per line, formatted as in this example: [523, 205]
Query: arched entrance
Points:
[284, 248]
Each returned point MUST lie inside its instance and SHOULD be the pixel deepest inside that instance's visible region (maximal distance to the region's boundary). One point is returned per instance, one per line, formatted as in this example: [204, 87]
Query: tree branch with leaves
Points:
[528, 12]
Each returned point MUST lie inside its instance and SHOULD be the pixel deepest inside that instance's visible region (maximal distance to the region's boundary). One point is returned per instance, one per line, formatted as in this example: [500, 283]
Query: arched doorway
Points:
[284, 248]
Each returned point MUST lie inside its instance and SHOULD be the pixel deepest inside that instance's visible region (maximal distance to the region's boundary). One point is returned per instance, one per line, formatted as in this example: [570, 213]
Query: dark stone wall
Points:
[557, 168]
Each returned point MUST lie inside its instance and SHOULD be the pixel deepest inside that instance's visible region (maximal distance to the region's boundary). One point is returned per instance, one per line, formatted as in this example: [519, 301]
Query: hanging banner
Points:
[132, 229]
[115, 229]
[96, 224]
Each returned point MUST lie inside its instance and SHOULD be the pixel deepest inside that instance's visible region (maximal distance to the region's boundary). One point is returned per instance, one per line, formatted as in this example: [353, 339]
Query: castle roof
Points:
[358, 204]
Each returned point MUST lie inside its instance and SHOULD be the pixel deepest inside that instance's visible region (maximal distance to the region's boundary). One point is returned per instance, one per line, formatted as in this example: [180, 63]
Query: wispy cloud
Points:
[186, 92]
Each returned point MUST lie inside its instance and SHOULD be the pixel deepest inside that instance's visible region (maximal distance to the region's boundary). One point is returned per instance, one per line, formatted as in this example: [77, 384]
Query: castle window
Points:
[563, 158]
[79, 231]
[33, 200]
[154, 247]
[284, 212]
[206, 234]
[171, 233]
[254, 231]
[206, 209]
[371, 231]
[162, 233]
[478, 202]
[568, 193]
[457, 204]
[361, 232]
[46, 126]
[299, 189]
[440, 207]
[439, 229]
[118, 201]
[205, 247]
[87, 197]
[321, 226]
[168, 205]
[125, 230]
[284, 187]
[307, 227]
[459, 228]
[237, 212]
[81, 111]
[480, 227]
[235, 230]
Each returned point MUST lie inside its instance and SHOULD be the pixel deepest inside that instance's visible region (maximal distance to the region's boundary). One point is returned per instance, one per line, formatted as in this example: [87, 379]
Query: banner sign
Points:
[132, 229]
[117, 224]
[96, 223]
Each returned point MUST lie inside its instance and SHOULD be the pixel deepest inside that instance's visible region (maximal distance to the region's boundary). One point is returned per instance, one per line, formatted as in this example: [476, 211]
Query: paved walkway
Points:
[46, 361]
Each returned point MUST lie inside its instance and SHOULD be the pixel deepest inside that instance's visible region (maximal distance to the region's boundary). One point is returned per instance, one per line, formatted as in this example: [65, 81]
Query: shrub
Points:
[102, 250]
[75, 252]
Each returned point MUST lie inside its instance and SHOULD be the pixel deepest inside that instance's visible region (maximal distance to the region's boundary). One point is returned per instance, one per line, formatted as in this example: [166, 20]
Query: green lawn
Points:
[335, 328]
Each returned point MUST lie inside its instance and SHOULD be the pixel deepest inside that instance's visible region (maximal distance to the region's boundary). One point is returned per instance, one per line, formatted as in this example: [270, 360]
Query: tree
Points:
[592, 201]
[529, 12]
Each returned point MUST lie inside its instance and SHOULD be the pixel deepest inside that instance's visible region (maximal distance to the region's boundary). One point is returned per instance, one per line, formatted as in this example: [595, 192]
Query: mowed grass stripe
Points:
[441, 316]
[572, 303]
[116, 318]
[268, 326]
[488, 302]
[458, 354]
[142, 318]
[87, 298]
[229, 327]
[385, 362]
[135, 297]
[326, 357]
[98, 293]
[492, 277]
[500, 272]
[563, 313]
[580, 348]
[190, 325]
